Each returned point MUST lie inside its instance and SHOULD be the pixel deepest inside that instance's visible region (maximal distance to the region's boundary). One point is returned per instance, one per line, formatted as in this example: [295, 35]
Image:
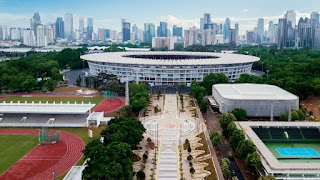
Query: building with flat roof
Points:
[163, 68]
[259, 100]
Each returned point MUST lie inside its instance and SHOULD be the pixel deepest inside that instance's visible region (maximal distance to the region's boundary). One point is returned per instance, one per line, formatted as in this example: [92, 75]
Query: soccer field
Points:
[94, 100]
[14, 147]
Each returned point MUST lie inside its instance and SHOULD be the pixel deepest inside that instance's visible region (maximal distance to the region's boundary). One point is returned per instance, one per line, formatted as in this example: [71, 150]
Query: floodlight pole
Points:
[127, 92]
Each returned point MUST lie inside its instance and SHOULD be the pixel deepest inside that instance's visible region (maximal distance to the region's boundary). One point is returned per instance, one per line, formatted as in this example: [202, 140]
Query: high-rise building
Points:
[3, 32]
[50, 34]
[135, 30]
[209, 37]
[149, 32]
[107, 33]
[59, 28]
[314, 23]
[250, 36]
[291, 18]
[162, 30]
[29, 39]
[81, 25]
[201, 24]
[113, 34]
[282, 33]
[40, 36]
[68, 26]
[317, 39]
[101, 34]
[177, 31]
[316, 17]
[207, 24]
[89, 28]
[191, 36]
[233, 36]
[35, 21]
[164, 42]
[126, 30]
[260, 30]
[14, 34]
[305, 33]
[226, 29]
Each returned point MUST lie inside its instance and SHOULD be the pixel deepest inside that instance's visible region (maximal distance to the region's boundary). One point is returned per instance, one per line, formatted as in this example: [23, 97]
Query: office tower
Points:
[107, 33]
[149, 32]
[207, 24]
[126, 30]
[191, 36]
[59, 28]
[305, 33]
[201, 24]
[35, 21]
[14, 34]
[101, 34]
[315, 16]
[233, 36]
[89, 28]
[226, 29]
[177, 31]
[269, 34]
[29, 39]
[140, 35]
[68, 26]
[260, 30]
[208, 37]
[250, 36]
[314, 23]
[291, 18]
[81, 25]
[164, 42]
[76, 34]
[282, 33]
[113, 34]
[162, 30]
[317, 39]
[135, 30]
[236, 26]
[50, 34]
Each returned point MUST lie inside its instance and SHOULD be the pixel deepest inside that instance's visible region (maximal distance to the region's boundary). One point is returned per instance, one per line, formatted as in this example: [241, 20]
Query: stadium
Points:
[259, 100]
[288, 150]
[169, 68]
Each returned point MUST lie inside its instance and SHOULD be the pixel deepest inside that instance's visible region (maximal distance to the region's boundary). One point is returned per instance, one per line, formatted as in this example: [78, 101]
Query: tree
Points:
[253, 161]
[197, 91]
[283, 117]
[225, 168]
[101, 88]
[113, 86]
[224, 121]
[244, 148]
[125, 111]
[141, 175]
[240, 114]
[301, 114]
[237, 136]
[49, 85]
[294, 115]
[269, 177]
[29, 83]
[216, 140]
[203, 106]
[212, 79]
[192, 171]
[231, 128]
[247, 78]
[158, 94]
[189, 148]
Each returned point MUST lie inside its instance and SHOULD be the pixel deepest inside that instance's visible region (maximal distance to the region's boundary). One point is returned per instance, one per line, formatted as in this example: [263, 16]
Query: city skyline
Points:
[246, 15]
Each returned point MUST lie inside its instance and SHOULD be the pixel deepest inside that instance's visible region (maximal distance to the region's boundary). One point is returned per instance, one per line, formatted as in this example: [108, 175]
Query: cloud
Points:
[245, 11]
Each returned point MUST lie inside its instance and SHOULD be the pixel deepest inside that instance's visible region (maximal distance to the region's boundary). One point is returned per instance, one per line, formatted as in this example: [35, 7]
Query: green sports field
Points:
[14, 147]
[273, 145]
[93, 100]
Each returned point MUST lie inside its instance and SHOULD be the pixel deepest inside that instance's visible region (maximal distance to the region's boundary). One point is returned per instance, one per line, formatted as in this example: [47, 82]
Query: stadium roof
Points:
[41, 108]
[253, 92]
[216, 58]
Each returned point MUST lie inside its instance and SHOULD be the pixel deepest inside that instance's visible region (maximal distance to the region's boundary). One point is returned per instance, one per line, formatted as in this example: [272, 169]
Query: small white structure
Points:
[259, 100]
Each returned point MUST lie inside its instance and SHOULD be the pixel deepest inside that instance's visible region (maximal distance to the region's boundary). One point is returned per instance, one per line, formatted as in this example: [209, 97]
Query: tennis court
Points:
[297, 152]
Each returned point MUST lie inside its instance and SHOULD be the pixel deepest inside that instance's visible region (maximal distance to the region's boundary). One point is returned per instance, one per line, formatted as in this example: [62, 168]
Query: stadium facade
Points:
[169, 67]
[259, 100]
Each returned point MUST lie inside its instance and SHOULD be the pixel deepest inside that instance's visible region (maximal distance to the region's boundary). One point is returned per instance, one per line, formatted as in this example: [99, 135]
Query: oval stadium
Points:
[168, 68]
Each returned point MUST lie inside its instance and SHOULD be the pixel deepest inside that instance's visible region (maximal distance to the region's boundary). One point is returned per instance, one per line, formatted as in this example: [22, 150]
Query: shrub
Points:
[253, 161]
[301, 114]
[189, 158]
[141, 175]
[240, 114]
[294, 115]
[190, 164]
[283, 117]
[192, 171]
[189, 148]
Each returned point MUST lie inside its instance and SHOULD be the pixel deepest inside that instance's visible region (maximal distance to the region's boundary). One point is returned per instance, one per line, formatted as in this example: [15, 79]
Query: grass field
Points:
[273, 145]
[14, 147]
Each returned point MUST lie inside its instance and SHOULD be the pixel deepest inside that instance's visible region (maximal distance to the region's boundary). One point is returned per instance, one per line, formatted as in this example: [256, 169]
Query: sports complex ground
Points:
[22, 158]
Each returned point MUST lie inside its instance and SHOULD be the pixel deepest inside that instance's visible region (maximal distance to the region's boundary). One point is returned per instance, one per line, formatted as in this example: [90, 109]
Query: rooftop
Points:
[170, 58]
[253, 92]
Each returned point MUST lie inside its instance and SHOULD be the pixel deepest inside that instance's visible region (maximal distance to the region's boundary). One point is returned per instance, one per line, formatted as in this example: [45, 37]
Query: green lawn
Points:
[93, 100]
[273, 145]
[14, 147]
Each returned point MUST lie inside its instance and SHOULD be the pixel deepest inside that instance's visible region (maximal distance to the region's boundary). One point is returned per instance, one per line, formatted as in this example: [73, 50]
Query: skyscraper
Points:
[29, 39]
[201, 24]
[40, 36]
[226, 29]
[50, 34]
[81, 25]
[282, 33]
[3, 32]
[35, 21]
[135, 30]
[177, 31]
[315, 16]
[208, 37]
[260, 30]
[190, 36]
[14, 34]
[59, 28]
[291, 18]
[101, 34]
[89, 28]
[162, 30]
[68, 26]
[149, 32]
[314, 23]
[233, 36]
[207, 24]
[126, 31]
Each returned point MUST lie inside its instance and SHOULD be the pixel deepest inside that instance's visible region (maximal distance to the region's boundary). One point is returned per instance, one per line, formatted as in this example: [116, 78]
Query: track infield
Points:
[43, 160]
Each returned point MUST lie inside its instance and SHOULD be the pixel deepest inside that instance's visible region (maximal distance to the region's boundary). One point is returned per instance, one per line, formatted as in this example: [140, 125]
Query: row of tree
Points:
[112, 158]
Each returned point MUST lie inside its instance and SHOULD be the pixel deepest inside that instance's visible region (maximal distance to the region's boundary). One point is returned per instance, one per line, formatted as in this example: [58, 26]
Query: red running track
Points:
[108, 106]
[43, 160]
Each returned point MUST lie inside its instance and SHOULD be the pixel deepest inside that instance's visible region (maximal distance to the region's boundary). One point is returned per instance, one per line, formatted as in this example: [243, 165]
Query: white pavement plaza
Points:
[169, 132]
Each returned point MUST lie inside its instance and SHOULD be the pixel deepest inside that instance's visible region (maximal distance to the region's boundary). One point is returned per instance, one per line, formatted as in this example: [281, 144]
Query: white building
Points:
[113, 34]
[3, 32]
[68, 26]
[164, 42]
[259, 100]
[41, 37]
[191, 36]
[50, 34]
[102, 34]
[209, 37]
[29, 39]
[163, 68]
[14, 34]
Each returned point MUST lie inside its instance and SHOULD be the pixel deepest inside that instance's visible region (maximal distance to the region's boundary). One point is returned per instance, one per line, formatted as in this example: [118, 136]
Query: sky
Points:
[185, 13]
